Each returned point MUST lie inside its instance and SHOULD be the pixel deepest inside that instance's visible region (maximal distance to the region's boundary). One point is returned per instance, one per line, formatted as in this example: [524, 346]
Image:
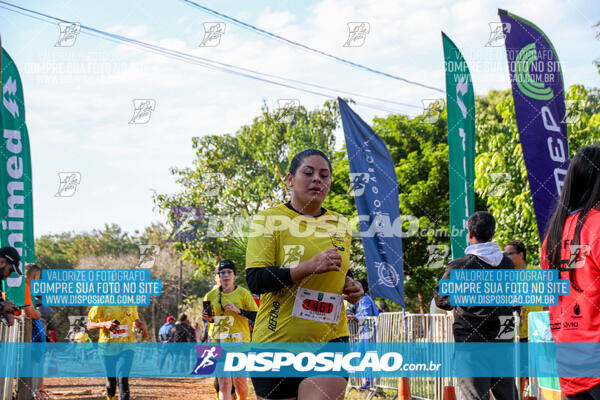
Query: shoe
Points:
[365, 386]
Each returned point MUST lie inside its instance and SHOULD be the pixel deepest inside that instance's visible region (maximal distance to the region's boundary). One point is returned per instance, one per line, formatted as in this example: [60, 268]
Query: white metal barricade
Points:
[362, 332]
[389, 330]
[396, 327]
[12, 334]
[425, 329]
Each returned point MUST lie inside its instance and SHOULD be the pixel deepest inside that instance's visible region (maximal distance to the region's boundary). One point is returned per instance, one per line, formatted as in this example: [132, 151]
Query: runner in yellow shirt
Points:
[232, 307]
[298, 259]
[116, 326]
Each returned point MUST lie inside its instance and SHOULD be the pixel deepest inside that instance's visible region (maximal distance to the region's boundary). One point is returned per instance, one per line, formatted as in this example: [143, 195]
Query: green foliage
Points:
[253, 162]
[236, 175]
[64, 250]
[419, 151]
[499, 152]
[110, 248]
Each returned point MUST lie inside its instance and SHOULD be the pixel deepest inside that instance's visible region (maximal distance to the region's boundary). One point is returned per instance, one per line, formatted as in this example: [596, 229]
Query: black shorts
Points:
[283, 388]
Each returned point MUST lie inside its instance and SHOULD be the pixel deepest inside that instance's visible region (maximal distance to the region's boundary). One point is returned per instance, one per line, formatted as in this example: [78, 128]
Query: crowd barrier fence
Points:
[11, 334]
[393, 327]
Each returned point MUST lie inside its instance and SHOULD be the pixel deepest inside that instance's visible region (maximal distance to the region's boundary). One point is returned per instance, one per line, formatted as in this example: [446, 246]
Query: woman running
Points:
[116, 326]
[298, 259]
[233, 308]
[572, 246]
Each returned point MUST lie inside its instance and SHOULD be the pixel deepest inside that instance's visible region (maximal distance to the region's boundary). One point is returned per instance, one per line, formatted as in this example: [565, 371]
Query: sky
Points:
[79, 99]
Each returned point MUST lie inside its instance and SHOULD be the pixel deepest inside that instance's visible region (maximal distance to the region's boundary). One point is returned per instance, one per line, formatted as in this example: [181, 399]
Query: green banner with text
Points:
[460, 101]
[16, 203]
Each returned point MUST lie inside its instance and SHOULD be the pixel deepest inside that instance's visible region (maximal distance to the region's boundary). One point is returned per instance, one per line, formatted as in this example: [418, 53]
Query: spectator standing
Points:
[481, 323]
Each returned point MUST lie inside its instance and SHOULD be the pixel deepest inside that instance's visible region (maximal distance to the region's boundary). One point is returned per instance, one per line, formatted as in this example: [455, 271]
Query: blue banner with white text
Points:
[375, 188]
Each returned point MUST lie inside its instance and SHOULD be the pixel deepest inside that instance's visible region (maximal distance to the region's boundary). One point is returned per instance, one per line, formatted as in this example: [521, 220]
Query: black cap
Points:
[12, 256]
[226, 264]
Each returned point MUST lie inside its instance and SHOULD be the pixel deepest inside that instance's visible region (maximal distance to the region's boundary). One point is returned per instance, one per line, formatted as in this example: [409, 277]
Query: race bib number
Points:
[318, 306]
[230, 337]
[119, 332]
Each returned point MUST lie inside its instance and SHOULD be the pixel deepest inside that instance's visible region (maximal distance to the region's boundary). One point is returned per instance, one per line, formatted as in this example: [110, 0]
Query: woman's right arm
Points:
[101, 325]
[270, 279]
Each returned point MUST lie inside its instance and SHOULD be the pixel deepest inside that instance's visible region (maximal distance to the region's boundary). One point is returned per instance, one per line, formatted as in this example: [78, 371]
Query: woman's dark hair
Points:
[182, 318]
[298, 158]
[581, 192]
[365, 285]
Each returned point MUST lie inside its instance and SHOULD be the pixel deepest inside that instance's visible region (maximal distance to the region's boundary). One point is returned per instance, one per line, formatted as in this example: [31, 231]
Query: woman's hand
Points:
[353, 291]
[231, 307]
[206, 317]
[110, 325]
[325, 261]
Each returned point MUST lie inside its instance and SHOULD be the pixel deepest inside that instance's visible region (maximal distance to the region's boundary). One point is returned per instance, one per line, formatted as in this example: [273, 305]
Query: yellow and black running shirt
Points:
[229, 326]
[126, 316]
[310, 310]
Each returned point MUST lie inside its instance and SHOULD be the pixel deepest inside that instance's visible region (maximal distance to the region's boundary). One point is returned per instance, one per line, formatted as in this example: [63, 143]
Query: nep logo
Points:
[207, 359]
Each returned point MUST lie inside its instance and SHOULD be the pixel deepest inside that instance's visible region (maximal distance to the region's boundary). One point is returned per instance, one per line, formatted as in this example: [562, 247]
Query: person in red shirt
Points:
[572, 246]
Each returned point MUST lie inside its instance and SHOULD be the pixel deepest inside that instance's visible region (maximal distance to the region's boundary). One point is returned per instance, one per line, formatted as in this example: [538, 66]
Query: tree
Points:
[254, 160]
[112, 248]
[419, 151]
[501, 177]
[236, 175]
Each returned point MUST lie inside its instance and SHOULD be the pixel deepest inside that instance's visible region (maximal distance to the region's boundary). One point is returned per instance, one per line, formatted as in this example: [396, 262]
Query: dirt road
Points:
[141, 388]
